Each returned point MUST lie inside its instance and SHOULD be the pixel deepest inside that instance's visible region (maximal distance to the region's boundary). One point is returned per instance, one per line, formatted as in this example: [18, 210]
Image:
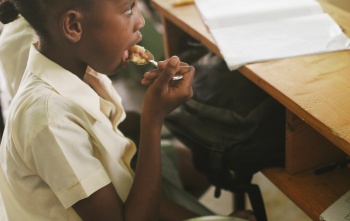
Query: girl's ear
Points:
[71, 25]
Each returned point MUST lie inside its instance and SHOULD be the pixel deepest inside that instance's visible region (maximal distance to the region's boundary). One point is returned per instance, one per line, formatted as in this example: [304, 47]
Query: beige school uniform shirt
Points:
[15, 39]
[61, 143]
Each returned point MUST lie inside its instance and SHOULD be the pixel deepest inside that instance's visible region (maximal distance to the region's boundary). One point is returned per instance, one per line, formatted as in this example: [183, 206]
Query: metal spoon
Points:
[149, 58]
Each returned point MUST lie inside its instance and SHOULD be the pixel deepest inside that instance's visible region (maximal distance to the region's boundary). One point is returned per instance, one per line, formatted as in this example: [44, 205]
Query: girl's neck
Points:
[64, 58]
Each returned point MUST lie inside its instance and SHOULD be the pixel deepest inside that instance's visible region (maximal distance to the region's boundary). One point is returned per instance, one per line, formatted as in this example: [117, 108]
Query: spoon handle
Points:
[154, 63]
[175, 78]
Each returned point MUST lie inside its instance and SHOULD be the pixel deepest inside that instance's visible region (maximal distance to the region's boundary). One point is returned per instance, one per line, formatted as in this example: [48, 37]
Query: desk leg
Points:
[304, 154]
[172, 38]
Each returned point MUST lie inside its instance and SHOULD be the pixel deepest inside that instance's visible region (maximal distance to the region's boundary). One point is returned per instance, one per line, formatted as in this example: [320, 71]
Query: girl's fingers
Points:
[182, 71]
[172, 66]
[151, 75]
[185, 69]
[183, 64]
[170, 69]
[188, 75]
[162, 64]
[146, 82]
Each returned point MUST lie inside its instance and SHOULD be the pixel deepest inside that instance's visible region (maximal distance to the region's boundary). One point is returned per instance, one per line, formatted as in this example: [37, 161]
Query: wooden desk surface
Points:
[315, 88]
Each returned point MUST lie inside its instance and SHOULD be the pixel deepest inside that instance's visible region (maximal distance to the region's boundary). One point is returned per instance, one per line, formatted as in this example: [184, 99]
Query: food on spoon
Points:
[139, 55]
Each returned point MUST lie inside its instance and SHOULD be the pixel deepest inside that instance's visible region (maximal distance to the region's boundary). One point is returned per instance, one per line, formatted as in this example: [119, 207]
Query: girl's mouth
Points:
[125, 58]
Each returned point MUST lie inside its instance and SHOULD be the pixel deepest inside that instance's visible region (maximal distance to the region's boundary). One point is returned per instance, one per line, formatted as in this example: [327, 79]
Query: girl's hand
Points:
[164, 94]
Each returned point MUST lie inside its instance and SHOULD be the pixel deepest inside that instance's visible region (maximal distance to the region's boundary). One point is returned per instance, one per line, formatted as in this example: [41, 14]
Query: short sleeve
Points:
[63, 156]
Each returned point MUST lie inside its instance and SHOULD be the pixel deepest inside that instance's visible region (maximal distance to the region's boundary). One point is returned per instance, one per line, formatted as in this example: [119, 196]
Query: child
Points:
[62, 144]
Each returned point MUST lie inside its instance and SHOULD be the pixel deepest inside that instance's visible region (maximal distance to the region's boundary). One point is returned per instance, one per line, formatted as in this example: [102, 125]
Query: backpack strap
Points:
[256, 201]
[215, 164]
[240, 185]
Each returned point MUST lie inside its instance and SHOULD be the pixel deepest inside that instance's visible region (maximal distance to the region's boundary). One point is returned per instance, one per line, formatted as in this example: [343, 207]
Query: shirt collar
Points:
[64, 82]
[107, 108]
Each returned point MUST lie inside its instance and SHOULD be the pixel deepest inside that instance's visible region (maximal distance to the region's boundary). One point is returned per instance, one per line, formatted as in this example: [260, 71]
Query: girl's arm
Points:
[143, 202]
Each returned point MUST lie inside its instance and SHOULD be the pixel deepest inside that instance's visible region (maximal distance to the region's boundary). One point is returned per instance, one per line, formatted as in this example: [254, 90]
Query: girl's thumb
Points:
[170, 69]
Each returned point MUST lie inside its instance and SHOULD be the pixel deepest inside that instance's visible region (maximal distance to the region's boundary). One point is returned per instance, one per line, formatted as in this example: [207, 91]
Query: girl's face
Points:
[109, 30]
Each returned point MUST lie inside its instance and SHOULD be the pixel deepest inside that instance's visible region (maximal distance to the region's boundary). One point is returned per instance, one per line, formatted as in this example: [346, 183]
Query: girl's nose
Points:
[140, 21]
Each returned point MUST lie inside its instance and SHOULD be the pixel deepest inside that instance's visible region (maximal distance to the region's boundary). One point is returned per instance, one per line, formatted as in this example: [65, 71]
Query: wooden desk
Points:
[316, 93]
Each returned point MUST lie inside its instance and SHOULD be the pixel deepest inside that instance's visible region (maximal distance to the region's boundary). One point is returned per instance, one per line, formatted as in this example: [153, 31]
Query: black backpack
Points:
[233, 128]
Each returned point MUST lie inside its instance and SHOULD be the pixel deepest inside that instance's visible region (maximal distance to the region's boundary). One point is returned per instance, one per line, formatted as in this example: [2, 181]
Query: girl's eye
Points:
[129, 11]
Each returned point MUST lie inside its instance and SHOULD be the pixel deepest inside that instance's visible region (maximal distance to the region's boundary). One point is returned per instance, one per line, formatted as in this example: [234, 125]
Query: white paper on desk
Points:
[259, 30]
[225, 13]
